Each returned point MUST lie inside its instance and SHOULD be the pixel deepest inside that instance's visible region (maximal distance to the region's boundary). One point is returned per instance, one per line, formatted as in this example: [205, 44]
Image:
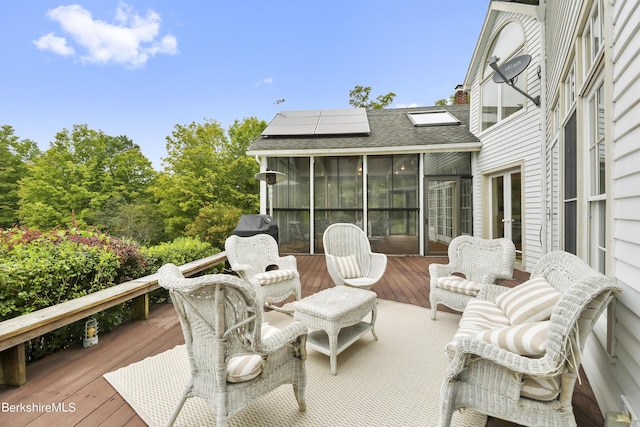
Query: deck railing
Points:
[18, 330]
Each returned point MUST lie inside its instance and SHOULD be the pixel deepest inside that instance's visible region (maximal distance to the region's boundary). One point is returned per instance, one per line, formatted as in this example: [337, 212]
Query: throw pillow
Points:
[348, 266]
[528, 339]
[531, 301]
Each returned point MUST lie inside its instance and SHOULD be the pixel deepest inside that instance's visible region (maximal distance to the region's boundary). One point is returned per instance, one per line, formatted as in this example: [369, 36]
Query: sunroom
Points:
[403, 175]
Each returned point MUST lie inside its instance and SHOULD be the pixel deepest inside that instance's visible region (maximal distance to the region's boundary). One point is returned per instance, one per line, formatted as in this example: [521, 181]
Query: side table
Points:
[335, 316]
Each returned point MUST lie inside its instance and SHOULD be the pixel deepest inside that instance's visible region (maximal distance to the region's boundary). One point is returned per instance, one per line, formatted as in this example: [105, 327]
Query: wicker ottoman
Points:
[335, 316]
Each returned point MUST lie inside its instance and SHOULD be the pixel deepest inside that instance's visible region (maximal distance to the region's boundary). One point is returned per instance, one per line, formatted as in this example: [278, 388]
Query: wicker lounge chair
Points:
[489, 376]
[233, 361]
[479, 260]
[349, 258]
[256, 260]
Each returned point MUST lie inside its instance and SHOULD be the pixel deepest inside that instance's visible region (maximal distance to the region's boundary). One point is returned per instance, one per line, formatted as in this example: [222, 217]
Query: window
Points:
[592, 37]
[570, 186]
[499, 101]
[392, 196]
[570, 89]
[597, 178]
[291, 203]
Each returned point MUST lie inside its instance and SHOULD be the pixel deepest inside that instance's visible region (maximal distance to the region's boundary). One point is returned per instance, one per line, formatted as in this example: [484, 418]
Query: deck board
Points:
[75, 375]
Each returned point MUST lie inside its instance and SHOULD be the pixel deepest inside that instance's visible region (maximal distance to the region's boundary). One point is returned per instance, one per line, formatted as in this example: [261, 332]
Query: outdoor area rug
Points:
[394, 381]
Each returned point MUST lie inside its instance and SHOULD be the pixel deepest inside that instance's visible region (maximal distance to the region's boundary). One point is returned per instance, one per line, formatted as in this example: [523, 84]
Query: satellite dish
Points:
[510, 69]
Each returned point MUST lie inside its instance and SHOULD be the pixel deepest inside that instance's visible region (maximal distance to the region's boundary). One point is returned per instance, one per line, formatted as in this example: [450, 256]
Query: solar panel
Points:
[319, 122]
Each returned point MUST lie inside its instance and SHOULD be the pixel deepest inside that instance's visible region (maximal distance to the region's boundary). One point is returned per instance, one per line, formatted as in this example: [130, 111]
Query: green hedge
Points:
[40, 269]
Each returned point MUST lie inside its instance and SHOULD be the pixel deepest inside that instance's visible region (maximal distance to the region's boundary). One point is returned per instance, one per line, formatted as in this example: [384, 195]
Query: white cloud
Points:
[130, 40]
[57, 45]
[266, 81]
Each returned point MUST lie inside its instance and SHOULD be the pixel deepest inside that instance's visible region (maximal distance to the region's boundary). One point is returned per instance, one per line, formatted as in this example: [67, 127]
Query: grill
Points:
[250, 225]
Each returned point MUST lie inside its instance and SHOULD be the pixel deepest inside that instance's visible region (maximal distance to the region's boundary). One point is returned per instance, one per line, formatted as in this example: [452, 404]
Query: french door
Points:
[506, 208]
[448, 211]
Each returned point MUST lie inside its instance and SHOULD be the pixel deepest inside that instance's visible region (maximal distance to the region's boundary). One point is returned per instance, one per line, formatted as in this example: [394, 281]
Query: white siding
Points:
[517, 139]
[625, 20]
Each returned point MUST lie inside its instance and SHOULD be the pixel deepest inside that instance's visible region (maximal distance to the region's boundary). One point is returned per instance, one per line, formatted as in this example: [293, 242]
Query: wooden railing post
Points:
[140, 307]
[13, 366]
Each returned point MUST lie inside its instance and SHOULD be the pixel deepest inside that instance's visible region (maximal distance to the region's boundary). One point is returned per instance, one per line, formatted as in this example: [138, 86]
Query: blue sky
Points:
[138, 68]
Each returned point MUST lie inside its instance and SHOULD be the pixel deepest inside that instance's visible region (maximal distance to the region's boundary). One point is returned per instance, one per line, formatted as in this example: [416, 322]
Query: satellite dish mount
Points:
[511, 69]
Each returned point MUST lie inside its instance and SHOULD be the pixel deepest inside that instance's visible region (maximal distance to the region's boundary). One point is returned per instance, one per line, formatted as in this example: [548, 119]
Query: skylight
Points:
[432, 118]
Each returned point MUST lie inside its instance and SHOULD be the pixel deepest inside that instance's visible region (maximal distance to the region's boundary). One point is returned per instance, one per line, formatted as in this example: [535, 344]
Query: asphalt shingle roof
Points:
[388, 128]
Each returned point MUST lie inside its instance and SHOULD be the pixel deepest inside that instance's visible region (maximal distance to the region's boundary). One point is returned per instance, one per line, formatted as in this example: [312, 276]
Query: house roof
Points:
[523, 7]
[391, 131]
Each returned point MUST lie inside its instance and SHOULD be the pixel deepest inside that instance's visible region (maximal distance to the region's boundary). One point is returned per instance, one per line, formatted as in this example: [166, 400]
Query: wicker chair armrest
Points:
[489, 292]
[378, 265]
[287, 262]
[470, 349]
[284, 336]
[440, 270]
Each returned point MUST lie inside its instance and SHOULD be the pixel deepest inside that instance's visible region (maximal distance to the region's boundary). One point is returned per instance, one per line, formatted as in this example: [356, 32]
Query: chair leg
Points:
[434, 310]
[298, 390]
[178, 408]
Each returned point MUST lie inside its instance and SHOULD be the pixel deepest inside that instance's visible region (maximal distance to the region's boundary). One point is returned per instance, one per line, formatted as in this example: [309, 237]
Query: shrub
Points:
[40, 269]
[179, 251]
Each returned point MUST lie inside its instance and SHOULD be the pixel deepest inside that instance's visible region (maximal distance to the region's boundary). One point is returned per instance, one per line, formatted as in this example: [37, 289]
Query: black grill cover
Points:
[250, 225]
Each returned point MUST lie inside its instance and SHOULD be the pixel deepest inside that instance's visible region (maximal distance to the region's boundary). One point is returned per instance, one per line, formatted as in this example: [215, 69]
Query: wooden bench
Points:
[16, 331]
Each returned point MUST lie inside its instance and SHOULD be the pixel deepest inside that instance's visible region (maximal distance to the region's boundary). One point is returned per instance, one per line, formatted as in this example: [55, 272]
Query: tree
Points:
[446, 101]
[204, 174]
[359, 98]
[84, 177]
[15, 157]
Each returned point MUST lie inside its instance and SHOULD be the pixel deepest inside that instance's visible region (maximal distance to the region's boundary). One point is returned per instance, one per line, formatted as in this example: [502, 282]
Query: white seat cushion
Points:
[274, 276]
[459, 285]
[348, 266]
[531, 301]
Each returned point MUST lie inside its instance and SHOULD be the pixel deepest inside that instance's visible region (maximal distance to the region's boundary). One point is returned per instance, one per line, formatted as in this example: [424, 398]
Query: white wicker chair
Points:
[252, 259]
[221, 319]
[480, 260]
[489, 379]
[346, 244]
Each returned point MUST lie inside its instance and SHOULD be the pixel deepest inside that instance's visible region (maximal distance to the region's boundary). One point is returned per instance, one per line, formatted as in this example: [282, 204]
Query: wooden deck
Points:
[72, 380]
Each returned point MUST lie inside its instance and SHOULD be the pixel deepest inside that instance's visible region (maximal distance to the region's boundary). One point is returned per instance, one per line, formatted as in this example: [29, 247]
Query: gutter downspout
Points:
[541, 12]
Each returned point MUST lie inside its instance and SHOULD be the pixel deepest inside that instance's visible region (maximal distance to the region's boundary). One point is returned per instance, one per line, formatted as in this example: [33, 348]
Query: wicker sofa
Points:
[517, 352]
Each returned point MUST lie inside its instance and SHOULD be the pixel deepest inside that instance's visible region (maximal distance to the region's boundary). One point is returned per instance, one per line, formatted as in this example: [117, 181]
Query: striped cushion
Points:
[531, 301]
[243, 368]
[268, 330]
[528, 339]
[348, 266]
[459, 285]
[478, 316]
[274, 276]
[540, 388]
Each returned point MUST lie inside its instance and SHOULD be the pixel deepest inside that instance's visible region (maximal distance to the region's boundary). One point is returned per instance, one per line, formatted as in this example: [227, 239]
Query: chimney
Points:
[461, 97]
